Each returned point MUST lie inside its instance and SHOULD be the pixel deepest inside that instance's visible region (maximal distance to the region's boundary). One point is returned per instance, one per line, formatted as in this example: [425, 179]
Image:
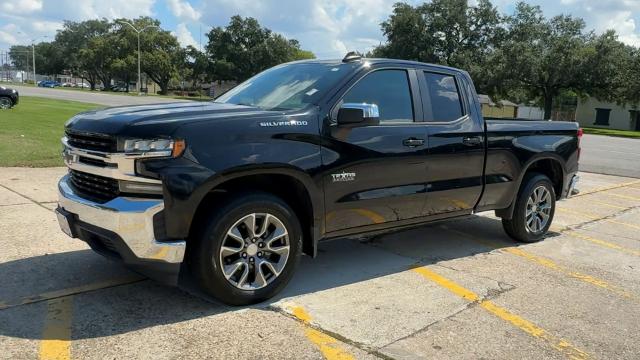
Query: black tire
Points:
[205, 257]
[516, 227]
[5, 102]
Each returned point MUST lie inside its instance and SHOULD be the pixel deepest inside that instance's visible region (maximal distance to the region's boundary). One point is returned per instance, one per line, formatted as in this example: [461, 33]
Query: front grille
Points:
[95, 162]
[98, 188]
[95, 142]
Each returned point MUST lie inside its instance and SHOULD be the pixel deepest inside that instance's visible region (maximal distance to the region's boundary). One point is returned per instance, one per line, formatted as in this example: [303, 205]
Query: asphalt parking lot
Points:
[452, 290]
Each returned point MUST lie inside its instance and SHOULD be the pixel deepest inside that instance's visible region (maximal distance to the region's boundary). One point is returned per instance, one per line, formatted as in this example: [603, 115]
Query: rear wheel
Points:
[247, 251]
[5, 103]
[534, 209]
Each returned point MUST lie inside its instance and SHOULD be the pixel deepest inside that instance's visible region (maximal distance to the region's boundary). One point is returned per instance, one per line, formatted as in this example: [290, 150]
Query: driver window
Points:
[389, 89]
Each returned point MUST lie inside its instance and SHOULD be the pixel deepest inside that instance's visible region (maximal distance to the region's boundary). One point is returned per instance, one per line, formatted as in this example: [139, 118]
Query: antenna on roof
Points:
[351, 56]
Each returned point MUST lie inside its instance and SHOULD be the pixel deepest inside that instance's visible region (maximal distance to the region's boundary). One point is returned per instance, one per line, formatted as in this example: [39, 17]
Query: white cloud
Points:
[184, 36]
[183, 10]
[21, 6]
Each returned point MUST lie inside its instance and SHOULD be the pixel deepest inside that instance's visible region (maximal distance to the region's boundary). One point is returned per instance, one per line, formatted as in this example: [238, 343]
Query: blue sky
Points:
[329, 28]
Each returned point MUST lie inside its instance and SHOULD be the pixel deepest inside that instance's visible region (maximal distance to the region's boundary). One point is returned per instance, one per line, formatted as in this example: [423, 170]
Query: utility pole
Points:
[139, 84]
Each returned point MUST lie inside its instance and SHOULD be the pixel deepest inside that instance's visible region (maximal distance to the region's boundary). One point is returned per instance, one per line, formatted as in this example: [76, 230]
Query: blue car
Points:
[48, 83]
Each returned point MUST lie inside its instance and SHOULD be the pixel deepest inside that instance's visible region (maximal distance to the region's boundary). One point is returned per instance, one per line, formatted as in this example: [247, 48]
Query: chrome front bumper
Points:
[131, 219]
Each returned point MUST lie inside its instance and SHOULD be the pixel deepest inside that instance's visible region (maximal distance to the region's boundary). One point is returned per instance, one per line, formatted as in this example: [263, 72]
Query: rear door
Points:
[455, 162]
[375, 175]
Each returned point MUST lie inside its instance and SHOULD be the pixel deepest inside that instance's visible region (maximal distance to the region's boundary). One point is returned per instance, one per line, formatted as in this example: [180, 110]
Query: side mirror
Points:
[358, 114]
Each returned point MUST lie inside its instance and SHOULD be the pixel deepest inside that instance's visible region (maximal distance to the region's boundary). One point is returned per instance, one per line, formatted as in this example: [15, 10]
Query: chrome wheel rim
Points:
[538, 210]
[254, 251]
[5, 103]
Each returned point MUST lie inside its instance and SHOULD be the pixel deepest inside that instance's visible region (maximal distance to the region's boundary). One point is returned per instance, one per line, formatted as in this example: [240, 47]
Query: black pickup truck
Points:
[233, 191]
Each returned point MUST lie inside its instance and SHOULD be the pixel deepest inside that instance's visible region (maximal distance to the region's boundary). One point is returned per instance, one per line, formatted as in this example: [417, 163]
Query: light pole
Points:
[138, 33]
[33, 56]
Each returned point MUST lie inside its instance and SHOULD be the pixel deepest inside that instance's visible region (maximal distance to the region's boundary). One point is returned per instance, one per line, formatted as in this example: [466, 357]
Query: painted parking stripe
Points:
[56, 336]
[600, 242]
[594, 217]
[330, 347]
[559, 344]
[550, 264]
[607, 188]
[625, 196]
[71, 291]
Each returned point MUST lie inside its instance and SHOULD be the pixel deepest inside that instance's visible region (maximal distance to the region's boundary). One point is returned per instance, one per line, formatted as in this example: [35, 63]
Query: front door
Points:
[455, 163]
[375, 174]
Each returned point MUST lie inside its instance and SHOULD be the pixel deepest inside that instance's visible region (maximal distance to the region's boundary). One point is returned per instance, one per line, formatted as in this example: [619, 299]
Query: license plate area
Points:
[65, 220]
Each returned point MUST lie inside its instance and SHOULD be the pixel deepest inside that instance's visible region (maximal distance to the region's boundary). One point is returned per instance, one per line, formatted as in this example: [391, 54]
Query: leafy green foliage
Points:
[243, 48]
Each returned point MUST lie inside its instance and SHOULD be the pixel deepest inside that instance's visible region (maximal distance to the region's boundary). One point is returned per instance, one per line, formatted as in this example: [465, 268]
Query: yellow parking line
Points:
[56, 337]
[528, 327]
[602, 243]
[130, 279]
[606, 188]
[608, 205]
[595, 217]
[550, 264]
[329, 347]
[625, 196]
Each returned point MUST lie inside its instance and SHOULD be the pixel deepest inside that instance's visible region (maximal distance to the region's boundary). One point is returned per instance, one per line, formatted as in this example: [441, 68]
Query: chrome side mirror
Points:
[353, 113]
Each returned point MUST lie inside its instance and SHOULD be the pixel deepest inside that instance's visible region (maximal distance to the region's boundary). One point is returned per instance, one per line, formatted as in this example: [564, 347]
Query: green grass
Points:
[612, 132]
[30, 132]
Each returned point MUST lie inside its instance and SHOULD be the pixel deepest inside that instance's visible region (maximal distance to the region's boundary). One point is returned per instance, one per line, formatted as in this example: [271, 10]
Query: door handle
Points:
[413, 142]
[472, 140]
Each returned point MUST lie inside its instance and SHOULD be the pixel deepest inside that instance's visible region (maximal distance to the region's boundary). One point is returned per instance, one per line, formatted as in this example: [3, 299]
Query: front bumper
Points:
[123, 228]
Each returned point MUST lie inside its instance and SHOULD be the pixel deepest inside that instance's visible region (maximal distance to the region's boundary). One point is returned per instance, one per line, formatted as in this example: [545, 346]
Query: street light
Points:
[138, 33]
[33, 55]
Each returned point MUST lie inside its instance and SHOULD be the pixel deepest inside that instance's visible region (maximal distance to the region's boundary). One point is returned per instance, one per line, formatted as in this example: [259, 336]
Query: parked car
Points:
[48, 83]
[239, 188]
[8, 98]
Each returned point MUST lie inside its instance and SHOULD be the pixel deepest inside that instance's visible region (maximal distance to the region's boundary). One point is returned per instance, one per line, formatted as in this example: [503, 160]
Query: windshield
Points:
[286, 87]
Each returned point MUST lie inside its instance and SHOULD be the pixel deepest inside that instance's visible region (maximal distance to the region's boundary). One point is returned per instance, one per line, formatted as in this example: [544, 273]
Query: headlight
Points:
[160, 147]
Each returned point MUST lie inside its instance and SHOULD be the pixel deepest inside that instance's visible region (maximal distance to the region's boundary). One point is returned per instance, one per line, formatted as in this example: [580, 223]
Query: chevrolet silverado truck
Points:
[234, 191]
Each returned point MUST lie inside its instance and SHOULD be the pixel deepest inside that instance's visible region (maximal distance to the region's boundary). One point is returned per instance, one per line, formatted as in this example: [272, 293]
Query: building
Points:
[594, 113]
[503, 109]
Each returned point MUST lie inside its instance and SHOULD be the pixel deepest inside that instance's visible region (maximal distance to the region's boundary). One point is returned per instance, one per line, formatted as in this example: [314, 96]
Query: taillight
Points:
[580, 132]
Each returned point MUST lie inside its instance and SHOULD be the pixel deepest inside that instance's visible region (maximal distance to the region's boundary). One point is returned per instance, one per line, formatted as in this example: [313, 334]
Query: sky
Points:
[329, 28]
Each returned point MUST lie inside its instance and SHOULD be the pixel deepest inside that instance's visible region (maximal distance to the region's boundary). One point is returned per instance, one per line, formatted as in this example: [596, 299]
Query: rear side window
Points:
[444, 97]
[389, 89]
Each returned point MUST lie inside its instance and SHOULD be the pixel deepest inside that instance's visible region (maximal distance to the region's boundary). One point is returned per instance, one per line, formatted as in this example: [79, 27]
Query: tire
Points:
[227, 226]
[532, 228]
[5, 103]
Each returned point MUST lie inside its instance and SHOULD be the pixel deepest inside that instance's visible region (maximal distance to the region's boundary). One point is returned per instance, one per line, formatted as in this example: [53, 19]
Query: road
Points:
[610, 155]
[94, 97]
[452, 290]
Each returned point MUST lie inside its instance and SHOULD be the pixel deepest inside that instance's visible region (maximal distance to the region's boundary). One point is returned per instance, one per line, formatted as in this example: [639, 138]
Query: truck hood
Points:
[159, 119]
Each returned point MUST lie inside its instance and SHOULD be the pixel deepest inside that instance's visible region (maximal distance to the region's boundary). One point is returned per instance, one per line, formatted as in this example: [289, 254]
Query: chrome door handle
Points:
[413, 142]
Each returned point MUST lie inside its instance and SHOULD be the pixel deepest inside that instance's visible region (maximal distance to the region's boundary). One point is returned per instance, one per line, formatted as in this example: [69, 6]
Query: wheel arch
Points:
[293, 186]
[549, 164]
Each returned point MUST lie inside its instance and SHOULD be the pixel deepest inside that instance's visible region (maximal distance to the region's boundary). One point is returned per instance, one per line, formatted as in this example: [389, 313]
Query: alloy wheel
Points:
[254, 251]
[538, 209]
[5, 103]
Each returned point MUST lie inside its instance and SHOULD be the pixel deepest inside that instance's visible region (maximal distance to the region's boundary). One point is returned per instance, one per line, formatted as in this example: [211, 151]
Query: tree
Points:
[448, 32]
[161, 57]
[243, 48]
[83, 44]
[198, 63]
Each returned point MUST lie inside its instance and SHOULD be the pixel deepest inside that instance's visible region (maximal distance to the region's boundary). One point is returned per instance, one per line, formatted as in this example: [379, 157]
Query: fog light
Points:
[140, 188]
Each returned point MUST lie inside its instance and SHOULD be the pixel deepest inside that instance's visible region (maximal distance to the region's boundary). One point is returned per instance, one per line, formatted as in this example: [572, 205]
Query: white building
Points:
[594, 113]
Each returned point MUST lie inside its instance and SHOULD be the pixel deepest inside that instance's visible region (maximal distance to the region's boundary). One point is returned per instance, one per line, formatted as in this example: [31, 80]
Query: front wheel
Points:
[5, 102]
[248, 250]
[534, 209]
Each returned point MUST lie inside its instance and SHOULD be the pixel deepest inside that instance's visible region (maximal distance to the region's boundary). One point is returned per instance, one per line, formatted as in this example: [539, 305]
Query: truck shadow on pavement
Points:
[145, 304]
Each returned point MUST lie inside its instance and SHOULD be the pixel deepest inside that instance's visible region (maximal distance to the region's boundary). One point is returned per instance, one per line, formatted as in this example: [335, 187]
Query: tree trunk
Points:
[164, 86]
[548, 106]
